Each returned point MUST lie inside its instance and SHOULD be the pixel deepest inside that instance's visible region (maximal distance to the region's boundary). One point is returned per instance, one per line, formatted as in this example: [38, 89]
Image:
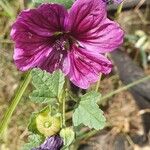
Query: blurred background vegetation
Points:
[121, 110]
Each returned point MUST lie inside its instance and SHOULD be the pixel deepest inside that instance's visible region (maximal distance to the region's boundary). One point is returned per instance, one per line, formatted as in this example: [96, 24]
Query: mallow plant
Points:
[58, 43]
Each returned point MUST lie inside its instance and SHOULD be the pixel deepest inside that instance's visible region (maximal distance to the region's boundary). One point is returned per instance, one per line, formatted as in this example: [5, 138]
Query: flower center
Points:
[63, 41]
[47, 124]
[60, 45]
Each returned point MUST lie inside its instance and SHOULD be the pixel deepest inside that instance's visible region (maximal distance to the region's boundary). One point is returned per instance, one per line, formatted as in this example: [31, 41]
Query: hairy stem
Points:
[15, 101]
[64, 111]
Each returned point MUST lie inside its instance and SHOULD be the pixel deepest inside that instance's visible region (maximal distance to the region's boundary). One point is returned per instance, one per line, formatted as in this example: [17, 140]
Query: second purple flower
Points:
[50, 37]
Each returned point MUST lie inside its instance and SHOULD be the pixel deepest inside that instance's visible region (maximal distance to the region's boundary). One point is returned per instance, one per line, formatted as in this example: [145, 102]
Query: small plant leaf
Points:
[66, 3]
[48, 86]
[88, 112]
[34, 140]
[68, 136]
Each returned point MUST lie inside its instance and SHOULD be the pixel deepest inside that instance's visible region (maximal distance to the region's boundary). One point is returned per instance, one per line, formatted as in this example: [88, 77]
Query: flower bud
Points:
[48, 125]
[51, 143]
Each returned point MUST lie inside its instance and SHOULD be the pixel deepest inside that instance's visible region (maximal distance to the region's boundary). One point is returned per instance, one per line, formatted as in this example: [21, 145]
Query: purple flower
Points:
[51, 143]
[51, 38]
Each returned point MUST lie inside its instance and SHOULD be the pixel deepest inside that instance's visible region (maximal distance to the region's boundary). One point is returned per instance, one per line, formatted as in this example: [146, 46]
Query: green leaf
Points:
[48, 86]
[66, 3]
[32, 123]
[34, 141]
[68, 136]
[88, 112]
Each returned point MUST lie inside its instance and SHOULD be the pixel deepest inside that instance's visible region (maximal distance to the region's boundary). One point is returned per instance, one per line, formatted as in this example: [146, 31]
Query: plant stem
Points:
[98, 83]
[122, 89]
[87, 135]
[63, 105]
[72, 96]
[15, 101]
[119, 10]
[64, 111]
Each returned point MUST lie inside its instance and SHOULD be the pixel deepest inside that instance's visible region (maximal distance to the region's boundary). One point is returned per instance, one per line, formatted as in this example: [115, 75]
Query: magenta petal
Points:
[85, 66]
[32, 33]
[107, 37]
[55, 15]
[66, 64]
[43, 21]
[85, 15]
[25, 60]
[53, 61]
[30, 49]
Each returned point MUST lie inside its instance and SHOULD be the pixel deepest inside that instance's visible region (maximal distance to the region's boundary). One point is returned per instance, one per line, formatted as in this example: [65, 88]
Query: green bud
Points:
[68, 136]
[48, 125]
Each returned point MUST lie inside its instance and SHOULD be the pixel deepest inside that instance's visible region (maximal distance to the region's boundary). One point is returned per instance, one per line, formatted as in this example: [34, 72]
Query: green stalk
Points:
[15, 101]
[99, 80]
[119, 10]
[105, 97]
[98, 83]
[87, 135]
[63, 102]
[64, 112]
